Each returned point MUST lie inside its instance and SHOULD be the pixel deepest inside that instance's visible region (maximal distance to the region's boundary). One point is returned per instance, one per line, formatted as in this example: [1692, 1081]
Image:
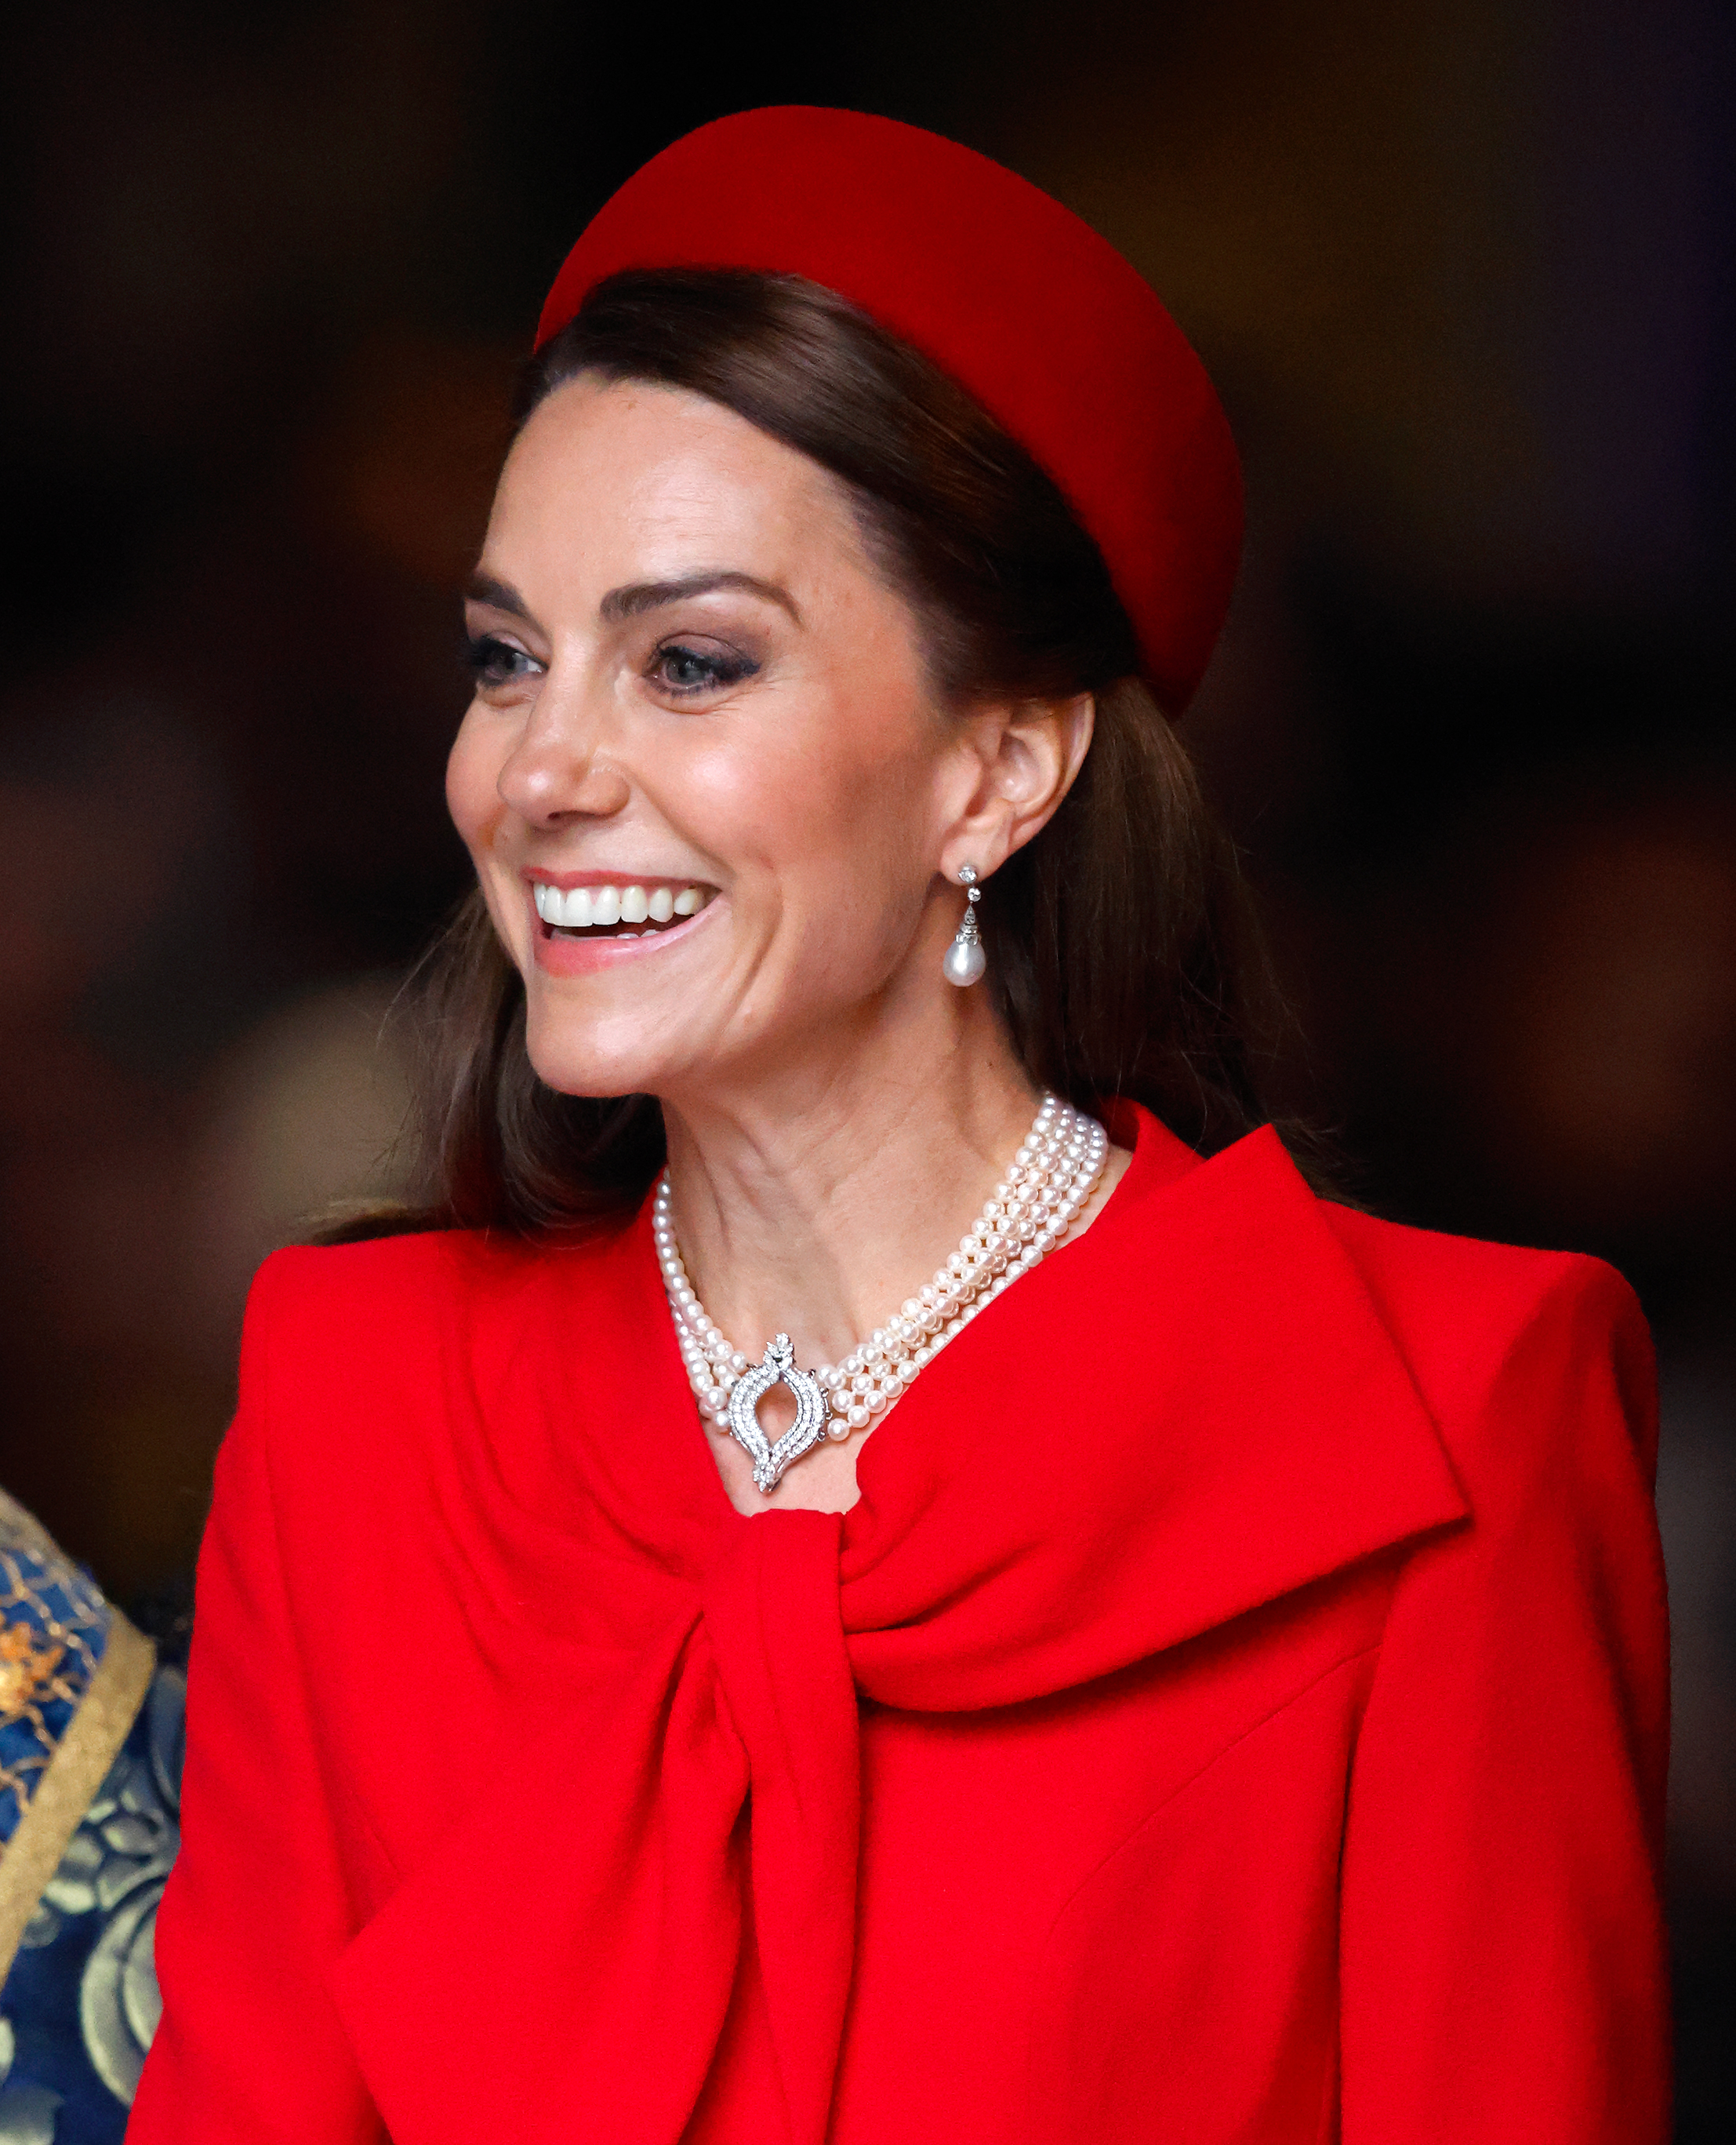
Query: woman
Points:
[1194, 1666]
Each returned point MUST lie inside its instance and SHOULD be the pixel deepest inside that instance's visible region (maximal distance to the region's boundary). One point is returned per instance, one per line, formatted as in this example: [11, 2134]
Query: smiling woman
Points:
[1126, 960]
[1124, 1646]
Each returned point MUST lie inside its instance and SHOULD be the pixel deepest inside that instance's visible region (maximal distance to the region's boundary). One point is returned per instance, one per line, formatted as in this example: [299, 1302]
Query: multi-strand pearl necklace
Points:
[1028, 1213]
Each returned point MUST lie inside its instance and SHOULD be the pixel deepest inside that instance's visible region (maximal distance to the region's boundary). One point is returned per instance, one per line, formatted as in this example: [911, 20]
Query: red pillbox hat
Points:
[1060, 339]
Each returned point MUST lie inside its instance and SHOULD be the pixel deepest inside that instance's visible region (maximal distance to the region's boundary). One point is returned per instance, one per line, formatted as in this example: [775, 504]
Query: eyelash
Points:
[719, 671]
[495, 662]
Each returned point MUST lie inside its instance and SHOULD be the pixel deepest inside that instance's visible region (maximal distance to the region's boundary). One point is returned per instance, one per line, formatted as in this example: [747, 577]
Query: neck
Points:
[814, 1202]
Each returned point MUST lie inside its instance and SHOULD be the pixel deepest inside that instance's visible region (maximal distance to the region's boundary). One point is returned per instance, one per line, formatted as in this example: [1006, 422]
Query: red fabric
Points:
[1055, 334]
[1233, 1710]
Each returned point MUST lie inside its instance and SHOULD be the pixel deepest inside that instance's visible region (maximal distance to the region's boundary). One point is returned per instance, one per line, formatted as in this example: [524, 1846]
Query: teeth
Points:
[577, 908]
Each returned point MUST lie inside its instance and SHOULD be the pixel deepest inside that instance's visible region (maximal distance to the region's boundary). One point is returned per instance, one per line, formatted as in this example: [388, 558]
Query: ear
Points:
[1025, 756]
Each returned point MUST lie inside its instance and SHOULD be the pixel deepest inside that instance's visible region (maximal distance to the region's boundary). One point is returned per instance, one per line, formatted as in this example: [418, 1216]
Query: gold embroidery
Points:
[79, 1764]
[52, 1620]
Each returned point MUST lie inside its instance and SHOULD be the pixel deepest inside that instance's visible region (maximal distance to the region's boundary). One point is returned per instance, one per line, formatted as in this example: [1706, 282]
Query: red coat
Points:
[1234, 1710]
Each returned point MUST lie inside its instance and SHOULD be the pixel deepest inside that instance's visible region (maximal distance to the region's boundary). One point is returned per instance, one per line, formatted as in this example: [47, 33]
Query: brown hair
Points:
[1123, 957]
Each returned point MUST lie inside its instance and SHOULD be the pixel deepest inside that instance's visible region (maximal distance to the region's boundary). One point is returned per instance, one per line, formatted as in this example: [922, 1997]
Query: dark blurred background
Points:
[1462, 269]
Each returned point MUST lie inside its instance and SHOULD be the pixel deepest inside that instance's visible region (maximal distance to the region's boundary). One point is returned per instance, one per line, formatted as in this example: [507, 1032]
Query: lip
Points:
[584, 956]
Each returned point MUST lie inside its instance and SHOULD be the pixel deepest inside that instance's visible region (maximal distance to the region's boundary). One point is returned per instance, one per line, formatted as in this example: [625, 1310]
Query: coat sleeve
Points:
[250, 2050]
[1502, 1948]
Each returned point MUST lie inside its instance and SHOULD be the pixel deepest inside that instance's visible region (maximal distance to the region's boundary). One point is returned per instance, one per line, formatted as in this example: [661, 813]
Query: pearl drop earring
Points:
[965, 959]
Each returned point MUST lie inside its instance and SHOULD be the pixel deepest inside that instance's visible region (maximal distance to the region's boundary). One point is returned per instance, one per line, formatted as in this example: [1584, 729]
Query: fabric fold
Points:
[773, 1616]
[647, 1896]
[749, 1704]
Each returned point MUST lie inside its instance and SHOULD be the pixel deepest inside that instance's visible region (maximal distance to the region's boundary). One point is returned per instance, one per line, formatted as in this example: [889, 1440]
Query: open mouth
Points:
[627, 911]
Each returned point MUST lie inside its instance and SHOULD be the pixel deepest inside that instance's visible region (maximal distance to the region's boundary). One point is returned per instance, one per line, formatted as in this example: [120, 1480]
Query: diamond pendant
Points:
[769, 1460]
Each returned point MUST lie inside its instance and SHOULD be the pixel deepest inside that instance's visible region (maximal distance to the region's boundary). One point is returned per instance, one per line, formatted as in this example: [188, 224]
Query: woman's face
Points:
[707, 786]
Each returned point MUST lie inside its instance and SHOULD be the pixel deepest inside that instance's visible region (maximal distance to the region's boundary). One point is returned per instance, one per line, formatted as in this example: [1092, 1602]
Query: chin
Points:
[600, 1057]
[572, 1067]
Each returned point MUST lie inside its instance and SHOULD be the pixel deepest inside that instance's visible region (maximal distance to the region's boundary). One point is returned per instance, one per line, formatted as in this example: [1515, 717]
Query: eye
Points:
[492, 662]
[684, 672]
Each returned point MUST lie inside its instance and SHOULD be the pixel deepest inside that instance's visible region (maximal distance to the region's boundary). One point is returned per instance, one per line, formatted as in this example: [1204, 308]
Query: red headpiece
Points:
[1059, 338]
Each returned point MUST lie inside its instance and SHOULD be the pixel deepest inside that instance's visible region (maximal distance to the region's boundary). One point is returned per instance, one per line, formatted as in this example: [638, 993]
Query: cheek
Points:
[833, 780]
[473, 778]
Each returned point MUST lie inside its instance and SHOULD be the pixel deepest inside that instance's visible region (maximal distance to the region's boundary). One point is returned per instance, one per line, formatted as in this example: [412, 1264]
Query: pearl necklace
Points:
[1028, 1213]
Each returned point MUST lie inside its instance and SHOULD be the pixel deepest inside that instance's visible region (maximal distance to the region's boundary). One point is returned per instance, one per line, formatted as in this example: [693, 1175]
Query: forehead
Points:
[626, 476]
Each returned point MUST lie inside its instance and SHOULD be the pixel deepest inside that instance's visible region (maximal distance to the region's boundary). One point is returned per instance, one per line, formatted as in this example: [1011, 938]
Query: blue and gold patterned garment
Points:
[90, 1781]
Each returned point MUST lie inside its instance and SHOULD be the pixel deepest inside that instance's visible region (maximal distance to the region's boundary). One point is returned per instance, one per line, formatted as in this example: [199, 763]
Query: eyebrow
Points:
[637, 597]
[640, 596]
[498, 595]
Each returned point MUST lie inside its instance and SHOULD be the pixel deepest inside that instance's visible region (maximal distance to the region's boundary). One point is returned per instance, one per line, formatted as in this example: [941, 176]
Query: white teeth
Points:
[578, 908]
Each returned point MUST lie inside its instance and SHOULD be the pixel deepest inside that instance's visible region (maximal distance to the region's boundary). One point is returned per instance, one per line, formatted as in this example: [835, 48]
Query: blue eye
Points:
[492, 662]
[684, 671]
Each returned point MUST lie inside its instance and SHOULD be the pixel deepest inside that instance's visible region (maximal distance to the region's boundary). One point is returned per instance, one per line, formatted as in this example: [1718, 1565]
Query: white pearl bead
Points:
[1031, 1209]
[964, 964]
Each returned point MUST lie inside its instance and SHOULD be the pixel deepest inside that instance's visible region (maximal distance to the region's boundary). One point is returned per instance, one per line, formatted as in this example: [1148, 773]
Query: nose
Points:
[556, 773]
